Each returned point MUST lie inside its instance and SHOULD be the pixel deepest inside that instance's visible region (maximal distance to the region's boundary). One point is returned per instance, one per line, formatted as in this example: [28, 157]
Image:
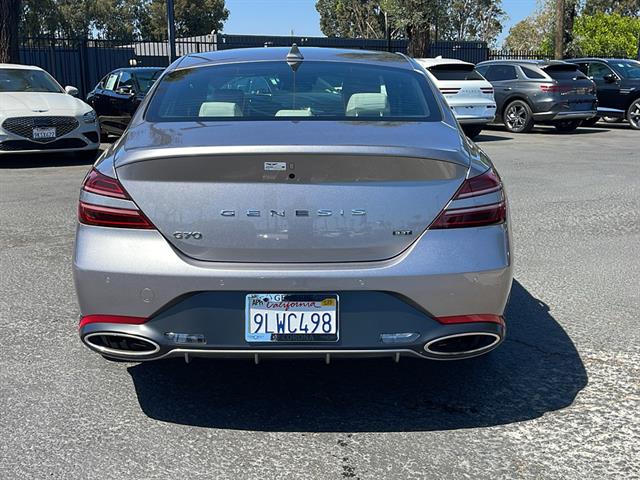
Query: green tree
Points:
[623, 7]
[351, 18]
[420, 20]
[475, 20]
[193, 17]
[9, 18]
[603, 34]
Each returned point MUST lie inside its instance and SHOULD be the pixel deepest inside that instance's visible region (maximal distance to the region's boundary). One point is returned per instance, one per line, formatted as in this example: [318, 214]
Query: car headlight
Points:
[90, 117]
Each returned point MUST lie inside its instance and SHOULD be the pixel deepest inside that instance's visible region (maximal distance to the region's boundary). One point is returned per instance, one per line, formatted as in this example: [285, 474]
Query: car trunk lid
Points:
[339, 202]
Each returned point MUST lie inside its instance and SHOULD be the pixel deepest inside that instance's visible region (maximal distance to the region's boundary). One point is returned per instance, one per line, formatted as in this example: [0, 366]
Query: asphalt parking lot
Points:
[559, 399]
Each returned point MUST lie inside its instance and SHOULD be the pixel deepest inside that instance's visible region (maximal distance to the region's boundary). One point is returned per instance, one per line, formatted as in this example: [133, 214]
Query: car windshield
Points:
[276, 91]
[146, 78]
[23, 80]
[627, 68]
[455, 72]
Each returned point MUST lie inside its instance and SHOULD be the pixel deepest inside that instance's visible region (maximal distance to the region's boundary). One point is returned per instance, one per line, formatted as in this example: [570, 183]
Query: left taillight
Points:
[477, 214]
[107, 214]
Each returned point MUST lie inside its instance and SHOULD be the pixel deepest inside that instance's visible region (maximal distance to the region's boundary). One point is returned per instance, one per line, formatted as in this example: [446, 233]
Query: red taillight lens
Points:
[103, 216]
[96, 182]
[477, 215]
[555, 88]
[487, 90]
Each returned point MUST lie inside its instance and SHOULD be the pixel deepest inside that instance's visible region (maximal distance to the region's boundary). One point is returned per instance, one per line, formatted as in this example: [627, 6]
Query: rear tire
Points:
[591, 122]
[472, 131]
[633, 114]
[518, 117]
[104, 137]
[567, 126]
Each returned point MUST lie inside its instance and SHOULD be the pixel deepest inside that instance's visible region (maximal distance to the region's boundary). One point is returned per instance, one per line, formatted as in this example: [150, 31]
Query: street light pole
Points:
[387, 31]
[171, 30]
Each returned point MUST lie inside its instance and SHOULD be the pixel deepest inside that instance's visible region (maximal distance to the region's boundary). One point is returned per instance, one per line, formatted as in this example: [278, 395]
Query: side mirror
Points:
[73, 91]
[610, 78]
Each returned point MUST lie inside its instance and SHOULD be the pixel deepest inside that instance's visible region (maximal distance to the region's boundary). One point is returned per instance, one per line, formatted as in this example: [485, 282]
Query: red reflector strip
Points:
[471, 319]
[112, 217]
[111, 319]
[472, 217]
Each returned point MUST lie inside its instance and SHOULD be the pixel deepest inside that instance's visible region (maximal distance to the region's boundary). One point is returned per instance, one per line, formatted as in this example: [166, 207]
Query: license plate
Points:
[283, 317]
[42, 133]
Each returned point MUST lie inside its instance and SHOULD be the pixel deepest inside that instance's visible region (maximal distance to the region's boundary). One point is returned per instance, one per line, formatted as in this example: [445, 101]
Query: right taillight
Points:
[476, 215]
[106, 214]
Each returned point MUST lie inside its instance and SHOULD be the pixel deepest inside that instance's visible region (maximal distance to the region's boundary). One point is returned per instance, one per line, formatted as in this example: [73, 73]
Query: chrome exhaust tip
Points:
[463, 344]
[121, 344]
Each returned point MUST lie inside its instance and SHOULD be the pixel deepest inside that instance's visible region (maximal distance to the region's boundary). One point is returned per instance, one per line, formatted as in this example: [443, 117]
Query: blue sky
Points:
[280, 17]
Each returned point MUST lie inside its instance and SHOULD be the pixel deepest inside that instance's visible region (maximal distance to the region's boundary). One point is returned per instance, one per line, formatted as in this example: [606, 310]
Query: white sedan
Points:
[468, 93]
[37, 114]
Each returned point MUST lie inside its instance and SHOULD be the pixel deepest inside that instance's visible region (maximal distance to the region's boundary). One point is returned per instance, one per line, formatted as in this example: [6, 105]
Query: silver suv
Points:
[536, 91]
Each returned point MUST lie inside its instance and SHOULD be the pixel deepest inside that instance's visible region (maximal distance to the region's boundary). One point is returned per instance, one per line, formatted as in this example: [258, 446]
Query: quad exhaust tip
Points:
[463, 344]
[121, 344]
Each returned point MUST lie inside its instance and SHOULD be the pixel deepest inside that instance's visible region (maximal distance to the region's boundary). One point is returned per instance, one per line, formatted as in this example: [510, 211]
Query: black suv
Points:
[618, 85]
[536, 91]
[118, 95]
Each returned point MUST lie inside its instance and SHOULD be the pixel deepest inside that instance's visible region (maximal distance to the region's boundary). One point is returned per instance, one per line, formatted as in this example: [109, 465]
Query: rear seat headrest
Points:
[305, 112]
[367, 105]
[219, 109]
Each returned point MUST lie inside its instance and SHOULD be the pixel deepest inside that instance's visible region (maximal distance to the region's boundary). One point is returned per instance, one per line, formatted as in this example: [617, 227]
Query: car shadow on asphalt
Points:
[536, 370]
[44, 160]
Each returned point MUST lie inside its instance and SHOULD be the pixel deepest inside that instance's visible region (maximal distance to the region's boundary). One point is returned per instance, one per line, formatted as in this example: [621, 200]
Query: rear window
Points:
[455, 72]
[275, 91]
[565, 72]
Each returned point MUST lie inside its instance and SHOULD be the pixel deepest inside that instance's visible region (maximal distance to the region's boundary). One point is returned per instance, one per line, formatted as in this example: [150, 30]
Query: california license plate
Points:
[43, 133]
[284, 317]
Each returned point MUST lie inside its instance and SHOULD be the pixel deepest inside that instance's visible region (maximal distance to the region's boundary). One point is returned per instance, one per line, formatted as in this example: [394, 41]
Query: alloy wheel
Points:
[516, 117]
[633, 115]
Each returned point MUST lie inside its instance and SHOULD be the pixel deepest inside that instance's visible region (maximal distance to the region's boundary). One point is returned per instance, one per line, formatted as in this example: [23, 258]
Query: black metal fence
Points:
[83, 62]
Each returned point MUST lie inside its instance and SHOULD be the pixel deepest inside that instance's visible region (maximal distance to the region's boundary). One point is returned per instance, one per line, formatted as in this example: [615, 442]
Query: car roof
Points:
[16, 66]
[606, 60]
[241, 55]
[135, 69]
[535, 63]
[429, 62]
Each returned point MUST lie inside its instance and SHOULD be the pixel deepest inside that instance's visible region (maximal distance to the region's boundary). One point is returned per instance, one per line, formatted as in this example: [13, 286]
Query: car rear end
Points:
[467, 92]
[564, 94]
[236, 228]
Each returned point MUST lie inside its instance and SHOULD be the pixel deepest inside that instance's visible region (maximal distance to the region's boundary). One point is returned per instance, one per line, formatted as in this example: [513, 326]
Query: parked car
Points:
[536, 91]
[618, 86]
[117, 96]
[38, 115]
[344, 214]
[468, 94]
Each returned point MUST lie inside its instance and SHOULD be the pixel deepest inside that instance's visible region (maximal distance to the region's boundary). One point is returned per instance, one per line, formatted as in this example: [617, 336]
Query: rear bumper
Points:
[564, 115]
[444, 273]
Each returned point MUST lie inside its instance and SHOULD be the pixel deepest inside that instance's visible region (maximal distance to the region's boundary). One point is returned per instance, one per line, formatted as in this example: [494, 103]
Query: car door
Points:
[124, 101]
[607, 85]
[99, 99]
[504, 80]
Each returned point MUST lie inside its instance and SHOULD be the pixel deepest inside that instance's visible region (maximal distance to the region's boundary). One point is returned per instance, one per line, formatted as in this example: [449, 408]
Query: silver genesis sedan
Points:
[293, 202]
